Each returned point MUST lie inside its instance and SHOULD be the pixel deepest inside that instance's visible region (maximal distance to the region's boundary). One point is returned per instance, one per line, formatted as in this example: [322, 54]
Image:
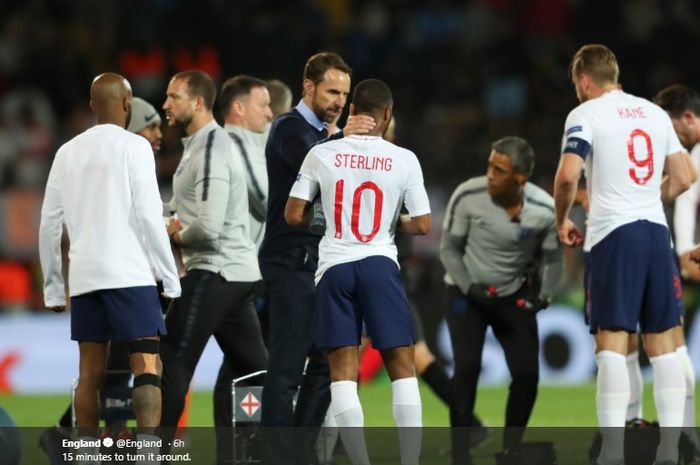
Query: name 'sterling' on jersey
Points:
[363, 162]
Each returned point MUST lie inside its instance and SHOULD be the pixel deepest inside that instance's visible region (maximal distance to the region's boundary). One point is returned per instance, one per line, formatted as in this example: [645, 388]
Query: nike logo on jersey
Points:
[150, 117]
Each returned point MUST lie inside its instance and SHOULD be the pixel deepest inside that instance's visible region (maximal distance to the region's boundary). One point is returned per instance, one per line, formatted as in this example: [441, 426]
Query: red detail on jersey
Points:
[677, 287]
[338, 210]
[647, 162]
[377, 216]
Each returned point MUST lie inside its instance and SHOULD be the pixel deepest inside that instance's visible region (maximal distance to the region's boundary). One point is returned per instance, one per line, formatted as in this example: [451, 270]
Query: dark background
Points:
[464, 73]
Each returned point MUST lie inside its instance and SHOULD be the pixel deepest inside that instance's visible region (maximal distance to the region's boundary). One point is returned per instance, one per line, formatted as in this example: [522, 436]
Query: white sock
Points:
[347, 411]
[669, 396]
[408, 415]
[327, 439]
[613, 392]
[634, 372]
[612, 397]
[689, 373]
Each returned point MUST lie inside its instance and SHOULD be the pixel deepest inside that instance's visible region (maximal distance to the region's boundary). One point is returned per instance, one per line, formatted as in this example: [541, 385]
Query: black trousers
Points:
[516, 331]
[289, 278]
[209, 306]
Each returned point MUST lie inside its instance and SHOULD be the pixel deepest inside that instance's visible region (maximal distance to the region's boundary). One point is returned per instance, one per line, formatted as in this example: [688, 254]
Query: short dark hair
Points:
[677, 99]
[520, 152]
[236, 87]
[318, 64]
[199, 84]
[371, 96]
[596, 60]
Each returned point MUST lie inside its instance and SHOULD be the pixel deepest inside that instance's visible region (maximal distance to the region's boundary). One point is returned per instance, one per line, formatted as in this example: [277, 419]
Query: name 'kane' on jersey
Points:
[364, 181]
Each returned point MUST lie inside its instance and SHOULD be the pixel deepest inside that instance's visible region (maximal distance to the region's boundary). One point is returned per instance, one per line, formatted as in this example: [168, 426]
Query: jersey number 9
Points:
[646, 163]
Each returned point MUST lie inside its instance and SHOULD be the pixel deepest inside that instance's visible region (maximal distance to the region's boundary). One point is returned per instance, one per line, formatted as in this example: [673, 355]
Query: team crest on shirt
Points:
[524, 232]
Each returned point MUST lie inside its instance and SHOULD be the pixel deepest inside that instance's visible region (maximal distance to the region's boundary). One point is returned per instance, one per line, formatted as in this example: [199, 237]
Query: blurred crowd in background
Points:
[463, 73]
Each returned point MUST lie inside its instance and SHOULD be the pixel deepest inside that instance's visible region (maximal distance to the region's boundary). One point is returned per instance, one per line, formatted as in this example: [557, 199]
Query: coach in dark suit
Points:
[289, 255]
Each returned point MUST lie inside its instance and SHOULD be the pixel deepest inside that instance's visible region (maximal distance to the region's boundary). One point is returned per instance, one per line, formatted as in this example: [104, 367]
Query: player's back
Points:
[94, 173]
[363, 181]
[630, 138]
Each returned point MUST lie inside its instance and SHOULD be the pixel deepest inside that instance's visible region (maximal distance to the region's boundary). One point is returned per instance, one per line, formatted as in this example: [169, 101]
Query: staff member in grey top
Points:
[496, 229]
[245, 108]
[211, 201]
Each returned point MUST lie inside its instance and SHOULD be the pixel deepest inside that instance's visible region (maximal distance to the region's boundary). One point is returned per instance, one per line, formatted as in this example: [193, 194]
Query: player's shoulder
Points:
[585, 109]
[397, 150]
[328, 148]
[539, 197]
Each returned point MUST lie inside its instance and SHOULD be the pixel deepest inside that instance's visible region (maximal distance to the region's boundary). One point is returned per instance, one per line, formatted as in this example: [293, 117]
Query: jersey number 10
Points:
[640, 163]
[356, 204]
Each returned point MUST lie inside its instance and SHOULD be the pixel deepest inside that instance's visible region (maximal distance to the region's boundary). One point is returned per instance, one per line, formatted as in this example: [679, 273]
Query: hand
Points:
[174, 226]
[569, 235]
[533, 305]
[358, 124]
[58, 308]
[693, 256]
[688, 266]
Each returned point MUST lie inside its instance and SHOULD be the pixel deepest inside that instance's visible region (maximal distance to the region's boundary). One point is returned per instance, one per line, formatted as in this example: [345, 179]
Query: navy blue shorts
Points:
[632, 279]
[370, 289]
[120, 314]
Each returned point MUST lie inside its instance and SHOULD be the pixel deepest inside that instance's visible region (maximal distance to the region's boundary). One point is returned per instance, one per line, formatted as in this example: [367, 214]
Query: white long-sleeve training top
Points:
[103, 187]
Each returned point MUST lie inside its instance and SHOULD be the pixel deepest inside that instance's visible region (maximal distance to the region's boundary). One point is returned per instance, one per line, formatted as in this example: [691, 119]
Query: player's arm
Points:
[296, 212]
[680, 174]
[148, 211]
[415, 225]
[565, 188]
[50, 232]
[684, 220]
[418, 220]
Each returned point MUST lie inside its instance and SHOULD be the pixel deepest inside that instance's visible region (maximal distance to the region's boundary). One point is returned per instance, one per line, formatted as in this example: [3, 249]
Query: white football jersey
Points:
[364, 181]
[685, 211]
[625, 141]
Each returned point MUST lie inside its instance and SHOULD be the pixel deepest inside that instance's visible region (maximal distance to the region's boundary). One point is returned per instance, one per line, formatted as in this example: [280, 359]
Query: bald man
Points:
[102, 188]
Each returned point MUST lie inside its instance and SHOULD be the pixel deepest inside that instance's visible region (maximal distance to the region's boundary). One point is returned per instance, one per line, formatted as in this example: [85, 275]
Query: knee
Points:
[144, 356]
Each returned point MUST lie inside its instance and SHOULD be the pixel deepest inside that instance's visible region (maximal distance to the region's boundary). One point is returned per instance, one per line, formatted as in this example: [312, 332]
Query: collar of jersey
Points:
[364, 137]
